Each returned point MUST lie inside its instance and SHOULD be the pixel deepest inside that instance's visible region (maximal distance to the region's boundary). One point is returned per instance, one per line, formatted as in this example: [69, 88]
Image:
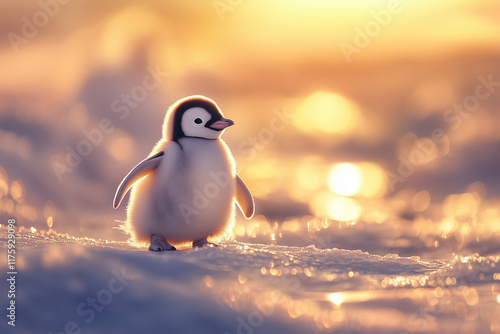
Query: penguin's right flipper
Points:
[144, 168]
[244, 198]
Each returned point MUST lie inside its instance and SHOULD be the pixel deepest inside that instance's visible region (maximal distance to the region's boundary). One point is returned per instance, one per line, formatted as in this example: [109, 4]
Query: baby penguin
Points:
[184, 191]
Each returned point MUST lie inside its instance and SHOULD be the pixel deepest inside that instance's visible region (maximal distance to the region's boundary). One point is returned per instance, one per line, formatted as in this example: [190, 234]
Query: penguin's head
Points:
[195, 116]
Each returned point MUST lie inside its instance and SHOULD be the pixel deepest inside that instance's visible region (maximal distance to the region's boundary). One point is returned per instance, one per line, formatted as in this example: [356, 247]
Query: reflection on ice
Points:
[315, 289]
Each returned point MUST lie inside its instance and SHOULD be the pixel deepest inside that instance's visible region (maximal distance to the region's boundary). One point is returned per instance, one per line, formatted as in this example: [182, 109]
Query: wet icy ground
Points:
[261, 284]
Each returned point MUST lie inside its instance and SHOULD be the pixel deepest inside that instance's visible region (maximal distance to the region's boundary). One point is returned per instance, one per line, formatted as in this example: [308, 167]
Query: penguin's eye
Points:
[198, 121]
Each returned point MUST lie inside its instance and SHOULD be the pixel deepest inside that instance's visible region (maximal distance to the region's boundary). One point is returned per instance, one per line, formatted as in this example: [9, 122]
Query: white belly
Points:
[196, 202]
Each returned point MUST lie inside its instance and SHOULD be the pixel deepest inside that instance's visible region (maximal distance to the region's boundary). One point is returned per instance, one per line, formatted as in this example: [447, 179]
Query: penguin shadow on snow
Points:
[185, 191]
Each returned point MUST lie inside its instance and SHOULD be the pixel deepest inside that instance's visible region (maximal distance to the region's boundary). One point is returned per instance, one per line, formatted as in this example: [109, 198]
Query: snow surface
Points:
[244, 287]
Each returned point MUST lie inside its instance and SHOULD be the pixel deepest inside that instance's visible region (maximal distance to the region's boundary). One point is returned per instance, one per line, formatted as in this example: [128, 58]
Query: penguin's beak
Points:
[221, 124]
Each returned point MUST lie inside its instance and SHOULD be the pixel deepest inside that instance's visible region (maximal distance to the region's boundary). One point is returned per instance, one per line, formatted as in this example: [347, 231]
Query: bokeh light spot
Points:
[50, 222]
[344, 209]
[208, 281]
[17, 190]
[345, 179]
[374, 182]
[460, 205]
[309, 173]
[421, 201]
[4, 188]
[336, 298]
[327, 112]
[49, 210]
[121, 147]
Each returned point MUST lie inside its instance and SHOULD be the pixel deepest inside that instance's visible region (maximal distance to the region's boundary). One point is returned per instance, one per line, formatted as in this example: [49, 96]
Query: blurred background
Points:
[380, 115]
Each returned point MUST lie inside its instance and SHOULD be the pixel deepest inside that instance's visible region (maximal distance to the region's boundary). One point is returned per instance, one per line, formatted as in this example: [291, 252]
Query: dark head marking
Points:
[196, 101]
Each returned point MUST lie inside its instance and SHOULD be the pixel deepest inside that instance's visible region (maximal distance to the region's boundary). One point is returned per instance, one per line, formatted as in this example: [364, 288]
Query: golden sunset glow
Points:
[330, 113]
[344, 209]
[337, 298]
[373, 180]
[367, 132]
[345, 179]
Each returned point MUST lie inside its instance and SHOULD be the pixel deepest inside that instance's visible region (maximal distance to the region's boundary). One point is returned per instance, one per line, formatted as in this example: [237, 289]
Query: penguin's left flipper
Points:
[244, 198]
[144, 168]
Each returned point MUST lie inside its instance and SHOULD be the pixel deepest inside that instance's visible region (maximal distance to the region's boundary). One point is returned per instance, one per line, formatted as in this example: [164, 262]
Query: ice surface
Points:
[244, 287]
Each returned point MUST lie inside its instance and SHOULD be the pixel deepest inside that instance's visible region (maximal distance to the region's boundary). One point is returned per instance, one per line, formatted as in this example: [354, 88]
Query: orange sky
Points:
[362, 79]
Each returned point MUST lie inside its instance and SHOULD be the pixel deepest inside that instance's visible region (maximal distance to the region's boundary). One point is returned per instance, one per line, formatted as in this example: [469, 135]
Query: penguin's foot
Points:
[160, 244]
[203, 243]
